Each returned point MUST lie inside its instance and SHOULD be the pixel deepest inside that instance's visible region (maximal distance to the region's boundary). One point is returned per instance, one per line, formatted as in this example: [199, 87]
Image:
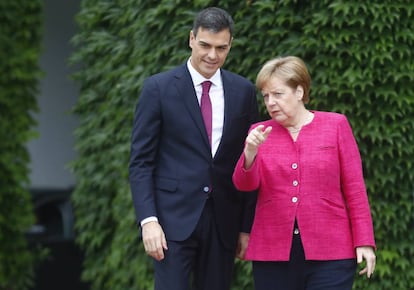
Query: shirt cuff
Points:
[149, 219]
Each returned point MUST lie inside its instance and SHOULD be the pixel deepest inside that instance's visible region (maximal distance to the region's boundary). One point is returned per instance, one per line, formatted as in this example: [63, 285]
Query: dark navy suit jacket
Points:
[172, 172]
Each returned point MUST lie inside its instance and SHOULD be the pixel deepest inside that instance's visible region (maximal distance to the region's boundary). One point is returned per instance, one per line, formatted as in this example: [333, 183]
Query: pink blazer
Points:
[318, 179]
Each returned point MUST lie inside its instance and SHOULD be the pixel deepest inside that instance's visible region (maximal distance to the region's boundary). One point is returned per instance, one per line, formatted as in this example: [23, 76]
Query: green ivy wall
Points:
[361, 61]
[20, 38]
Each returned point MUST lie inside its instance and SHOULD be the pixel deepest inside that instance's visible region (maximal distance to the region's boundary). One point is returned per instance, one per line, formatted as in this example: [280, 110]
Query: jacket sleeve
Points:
[246, 180]
[144, 146]
[353, 187]
[250, 197]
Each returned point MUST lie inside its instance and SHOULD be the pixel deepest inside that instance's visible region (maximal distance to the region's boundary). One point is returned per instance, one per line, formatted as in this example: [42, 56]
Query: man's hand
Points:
[154, 240]
[242, 245]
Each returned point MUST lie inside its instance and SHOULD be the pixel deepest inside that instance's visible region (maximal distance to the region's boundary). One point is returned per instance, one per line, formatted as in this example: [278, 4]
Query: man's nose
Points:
[212, 53]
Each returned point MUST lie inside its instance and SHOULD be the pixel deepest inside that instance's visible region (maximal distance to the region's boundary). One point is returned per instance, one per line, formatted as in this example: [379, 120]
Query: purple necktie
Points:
[206, 108]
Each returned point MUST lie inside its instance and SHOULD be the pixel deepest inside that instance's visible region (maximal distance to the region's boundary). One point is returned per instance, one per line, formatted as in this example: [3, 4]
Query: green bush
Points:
[360, 59]
[20, 38]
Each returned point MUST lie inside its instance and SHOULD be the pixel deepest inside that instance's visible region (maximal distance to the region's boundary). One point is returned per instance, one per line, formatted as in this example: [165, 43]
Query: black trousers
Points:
[198, 263]
[299, 274]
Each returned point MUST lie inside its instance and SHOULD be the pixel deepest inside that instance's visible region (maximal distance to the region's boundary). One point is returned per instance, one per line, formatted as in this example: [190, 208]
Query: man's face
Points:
[209, 50]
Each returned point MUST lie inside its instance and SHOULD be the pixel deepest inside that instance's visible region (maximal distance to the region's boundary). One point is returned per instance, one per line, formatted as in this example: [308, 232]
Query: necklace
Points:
[295, 130]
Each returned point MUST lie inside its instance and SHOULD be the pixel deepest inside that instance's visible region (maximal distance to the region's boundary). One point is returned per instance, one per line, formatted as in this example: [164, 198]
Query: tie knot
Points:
[206, 86]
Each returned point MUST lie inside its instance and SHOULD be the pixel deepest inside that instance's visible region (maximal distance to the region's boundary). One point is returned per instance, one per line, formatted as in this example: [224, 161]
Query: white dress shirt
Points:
[217, 102]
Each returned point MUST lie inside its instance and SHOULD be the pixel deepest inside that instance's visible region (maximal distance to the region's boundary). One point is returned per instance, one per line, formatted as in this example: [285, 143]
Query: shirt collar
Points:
[198, 78]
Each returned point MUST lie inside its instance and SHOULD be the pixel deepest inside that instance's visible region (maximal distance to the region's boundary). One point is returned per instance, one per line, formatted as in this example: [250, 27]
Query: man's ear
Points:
[191, 38]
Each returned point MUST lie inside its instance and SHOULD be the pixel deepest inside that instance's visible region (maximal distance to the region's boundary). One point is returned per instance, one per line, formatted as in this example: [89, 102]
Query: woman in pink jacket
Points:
[313, 222]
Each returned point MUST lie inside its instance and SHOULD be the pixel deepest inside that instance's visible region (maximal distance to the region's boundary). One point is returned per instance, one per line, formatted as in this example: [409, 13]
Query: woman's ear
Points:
[299, 92]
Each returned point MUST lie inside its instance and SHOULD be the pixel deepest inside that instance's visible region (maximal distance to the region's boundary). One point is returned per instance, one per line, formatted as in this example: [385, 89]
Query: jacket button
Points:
[294, 199]
[294, 165]
[206, 189]
[295, 183]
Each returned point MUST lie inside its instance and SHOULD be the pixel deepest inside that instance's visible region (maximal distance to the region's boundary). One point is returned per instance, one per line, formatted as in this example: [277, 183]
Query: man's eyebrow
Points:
[206, 43]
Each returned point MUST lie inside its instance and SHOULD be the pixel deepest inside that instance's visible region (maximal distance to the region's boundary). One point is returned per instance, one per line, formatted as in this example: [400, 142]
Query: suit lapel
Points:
[229, 97]
[185, 88]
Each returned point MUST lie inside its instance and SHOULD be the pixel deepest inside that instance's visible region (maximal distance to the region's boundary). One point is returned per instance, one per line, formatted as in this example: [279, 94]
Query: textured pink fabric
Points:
[206, 109]
[318, 179]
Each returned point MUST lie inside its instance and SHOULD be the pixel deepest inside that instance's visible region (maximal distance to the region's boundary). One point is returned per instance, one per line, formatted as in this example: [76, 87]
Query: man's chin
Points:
[209, 72]
[211, 68]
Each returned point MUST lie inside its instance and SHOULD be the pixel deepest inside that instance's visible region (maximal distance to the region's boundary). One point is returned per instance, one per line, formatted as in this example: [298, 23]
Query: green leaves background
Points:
[360, 58]
[20, 38]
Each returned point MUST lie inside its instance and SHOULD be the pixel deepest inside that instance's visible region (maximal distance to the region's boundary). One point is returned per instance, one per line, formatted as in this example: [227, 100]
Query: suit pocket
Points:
[333, 203]
[166, 184]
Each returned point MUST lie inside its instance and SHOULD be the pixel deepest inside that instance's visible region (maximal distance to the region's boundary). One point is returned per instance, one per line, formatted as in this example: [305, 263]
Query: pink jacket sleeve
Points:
[353, 187]
[246, 180]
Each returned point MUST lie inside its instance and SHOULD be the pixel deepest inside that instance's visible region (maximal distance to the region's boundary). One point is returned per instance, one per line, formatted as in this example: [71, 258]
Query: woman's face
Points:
[282, 102]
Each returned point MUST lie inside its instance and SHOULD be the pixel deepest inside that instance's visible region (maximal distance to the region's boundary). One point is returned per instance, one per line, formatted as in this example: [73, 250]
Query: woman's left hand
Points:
[368, 254]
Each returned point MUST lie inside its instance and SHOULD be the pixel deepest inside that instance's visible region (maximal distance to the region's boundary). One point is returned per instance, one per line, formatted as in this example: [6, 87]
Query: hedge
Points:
[361, 62]
[20, 39]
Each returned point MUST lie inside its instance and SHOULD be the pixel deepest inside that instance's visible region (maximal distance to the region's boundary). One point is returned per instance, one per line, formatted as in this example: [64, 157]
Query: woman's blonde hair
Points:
[291, 69]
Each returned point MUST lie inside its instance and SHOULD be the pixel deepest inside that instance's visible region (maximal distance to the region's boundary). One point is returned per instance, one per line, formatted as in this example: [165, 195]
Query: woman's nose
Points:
[272, 100]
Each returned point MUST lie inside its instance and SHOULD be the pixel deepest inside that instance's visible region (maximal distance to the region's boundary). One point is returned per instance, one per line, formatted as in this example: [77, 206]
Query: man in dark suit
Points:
[194, 222]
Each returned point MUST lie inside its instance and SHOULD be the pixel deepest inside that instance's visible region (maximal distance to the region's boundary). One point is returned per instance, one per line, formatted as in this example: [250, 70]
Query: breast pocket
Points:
[328, 157]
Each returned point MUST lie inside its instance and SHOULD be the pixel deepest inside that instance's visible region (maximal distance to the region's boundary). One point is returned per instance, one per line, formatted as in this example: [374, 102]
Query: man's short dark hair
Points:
[213, 19]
